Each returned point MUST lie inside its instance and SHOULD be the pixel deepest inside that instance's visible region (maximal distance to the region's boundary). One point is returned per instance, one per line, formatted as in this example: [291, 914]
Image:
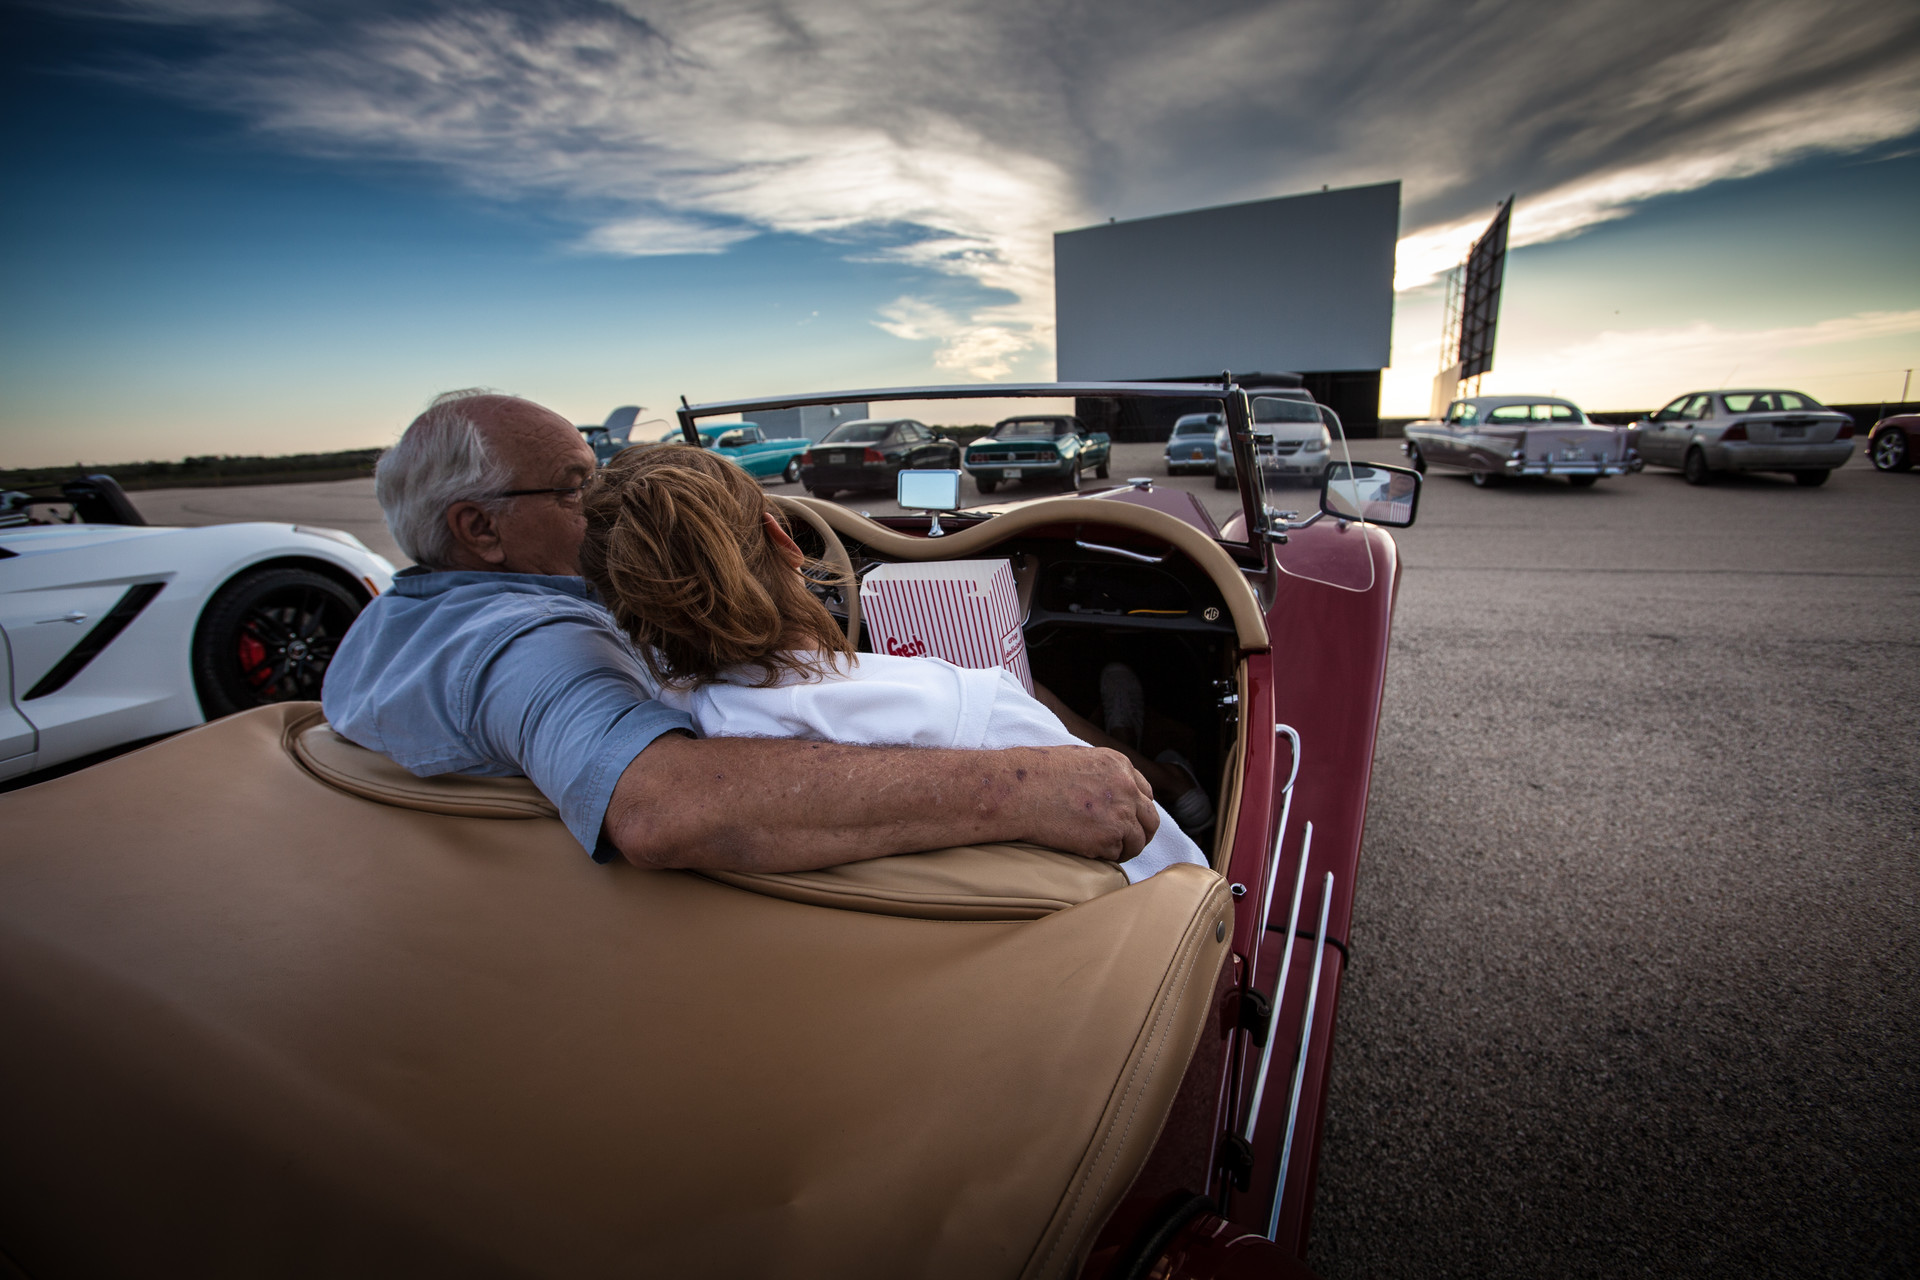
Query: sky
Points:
[273, 226]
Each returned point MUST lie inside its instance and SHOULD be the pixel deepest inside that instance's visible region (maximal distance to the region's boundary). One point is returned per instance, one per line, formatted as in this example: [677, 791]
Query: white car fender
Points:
[60, 582]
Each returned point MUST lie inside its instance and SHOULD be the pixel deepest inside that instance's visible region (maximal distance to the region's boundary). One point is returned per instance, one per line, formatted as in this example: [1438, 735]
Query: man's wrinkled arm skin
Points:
[759, 804]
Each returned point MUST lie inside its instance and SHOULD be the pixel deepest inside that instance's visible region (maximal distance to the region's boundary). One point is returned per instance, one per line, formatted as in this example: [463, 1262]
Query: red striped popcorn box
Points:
[965, 611]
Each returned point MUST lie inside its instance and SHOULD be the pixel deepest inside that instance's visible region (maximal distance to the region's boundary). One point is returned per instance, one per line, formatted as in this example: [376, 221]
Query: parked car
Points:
[1292, 438]
[1055, 447]
[1495, 438]
[1707, 431]
[113, 630]
[608, 438]
[1190, 444]
[1890, 443]
[868, 454]
[304, 1005]
[746, 444]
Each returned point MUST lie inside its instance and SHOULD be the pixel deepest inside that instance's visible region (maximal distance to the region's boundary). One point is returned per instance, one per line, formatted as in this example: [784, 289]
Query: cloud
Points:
[956, 138]
[648, 235]
[1645, 367]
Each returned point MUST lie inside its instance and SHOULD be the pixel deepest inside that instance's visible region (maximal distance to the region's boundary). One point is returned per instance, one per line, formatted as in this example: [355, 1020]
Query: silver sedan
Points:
[1704, 432]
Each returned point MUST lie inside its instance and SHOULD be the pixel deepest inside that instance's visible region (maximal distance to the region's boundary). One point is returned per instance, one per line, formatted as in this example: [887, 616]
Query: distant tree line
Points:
[208, 470]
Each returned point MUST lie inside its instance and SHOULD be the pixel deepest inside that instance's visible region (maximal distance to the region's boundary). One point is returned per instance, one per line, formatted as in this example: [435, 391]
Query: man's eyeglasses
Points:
[568, 496]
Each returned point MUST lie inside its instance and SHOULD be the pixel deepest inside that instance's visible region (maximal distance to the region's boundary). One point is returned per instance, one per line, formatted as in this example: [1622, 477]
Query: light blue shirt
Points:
[499, 674]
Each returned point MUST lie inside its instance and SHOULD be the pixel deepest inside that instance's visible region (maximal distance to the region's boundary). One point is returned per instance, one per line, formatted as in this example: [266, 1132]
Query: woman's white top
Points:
[884, 700]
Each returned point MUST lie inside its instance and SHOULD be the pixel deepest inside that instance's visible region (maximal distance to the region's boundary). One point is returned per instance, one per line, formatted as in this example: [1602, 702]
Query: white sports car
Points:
[113, 630]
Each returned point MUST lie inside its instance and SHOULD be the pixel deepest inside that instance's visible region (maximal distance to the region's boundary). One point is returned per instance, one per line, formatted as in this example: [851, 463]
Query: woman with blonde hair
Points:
[701, 572]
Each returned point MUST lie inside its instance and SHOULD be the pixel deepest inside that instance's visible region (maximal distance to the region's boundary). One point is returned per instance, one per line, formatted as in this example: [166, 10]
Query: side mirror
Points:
[1372, 492]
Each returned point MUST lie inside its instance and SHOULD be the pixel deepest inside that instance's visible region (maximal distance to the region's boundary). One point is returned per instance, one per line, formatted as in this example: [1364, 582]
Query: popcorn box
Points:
[965, 611]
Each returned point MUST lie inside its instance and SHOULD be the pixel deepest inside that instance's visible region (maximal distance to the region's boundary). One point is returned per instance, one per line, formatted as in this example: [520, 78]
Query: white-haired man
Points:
[492, 657]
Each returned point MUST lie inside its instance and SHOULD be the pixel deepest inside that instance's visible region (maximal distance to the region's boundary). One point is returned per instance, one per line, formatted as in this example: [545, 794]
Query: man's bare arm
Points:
[756, 804]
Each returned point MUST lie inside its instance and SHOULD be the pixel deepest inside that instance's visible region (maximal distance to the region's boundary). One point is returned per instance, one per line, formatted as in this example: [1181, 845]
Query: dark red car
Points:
[273, 1004]
[1890, 443]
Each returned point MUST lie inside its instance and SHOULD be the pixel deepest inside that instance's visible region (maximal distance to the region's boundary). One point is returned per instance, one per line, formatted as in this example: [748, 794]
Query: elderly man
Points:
[491, 657]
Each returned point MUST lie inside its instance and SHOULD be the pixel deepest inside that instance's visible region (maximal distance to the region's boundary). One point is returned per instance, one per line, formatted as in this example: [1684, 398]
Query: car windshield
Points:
[1275, 409]
[1767, 401]
[1032, 429]
[856, 433]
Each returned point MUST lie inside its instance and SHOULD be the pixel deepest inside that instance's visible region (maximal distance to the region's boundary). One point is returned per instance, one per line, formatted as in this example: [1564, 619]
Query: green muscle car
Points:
[1054, 447]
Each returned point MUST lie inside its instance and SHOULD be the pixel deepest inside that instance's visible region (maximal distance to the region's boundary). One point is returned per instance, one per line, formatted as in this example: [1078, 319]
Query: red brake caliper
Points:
[253, 659]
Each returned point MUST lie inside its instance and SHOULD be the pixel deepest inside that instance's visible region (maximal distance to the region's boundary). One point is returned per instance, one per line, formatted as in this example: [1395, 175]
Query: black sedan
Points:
[870, 452]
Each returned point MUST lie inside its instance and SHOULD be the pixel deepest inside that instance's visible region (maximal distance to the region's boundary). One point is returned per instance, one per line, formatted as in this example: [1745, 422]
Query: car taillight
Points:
[1846, 430]
[1738, 431]
[806, 457]
[873, 455]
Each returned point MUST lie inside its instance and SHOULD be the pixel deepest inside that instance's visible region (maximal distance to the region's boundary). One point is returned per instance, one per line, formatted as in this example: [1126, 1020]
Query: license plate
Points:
[1792, 433]
[1196, 455]
[839, 457]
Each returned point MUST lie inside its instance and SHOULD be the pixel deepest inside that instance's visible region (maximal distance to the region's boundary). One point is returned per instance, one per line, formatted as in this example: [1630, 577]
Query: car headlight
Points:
[1314, 446]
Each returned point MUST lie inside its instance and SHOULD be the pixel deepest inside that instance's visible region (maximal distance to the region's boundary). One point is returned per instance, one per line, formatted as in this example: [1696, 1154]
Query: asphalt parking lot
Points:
[1633, 982]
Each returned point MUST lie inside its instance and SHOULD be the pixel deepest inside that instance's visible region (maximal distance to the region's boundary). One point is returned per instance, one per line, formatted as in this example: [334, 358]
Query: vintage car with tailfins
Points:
[746, 444]
[1056, 448]
[867, 455]
[113, 630]
[1496, 438]
[1704, 433]
[274, 1004]
[1890, 443]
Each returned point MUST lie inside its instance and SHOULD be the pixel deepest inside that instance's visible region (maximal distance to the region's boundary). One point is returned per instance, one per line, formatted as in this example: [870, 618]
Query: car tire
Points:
[1073, 478]
[1892, 451]
[1694, 468]
[823, 493]
[1582, 482]
[792, 474]
[986, 486]
[1486, 480]
[1416, 459]
[1100, 472]
[267, 636]
[1221, 482]
[1810, 479]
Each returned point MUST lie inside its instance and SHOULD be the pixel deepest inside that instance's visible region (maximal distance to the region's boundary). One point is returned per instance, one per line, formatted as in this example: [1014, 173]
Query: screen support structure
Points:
[1471, 319]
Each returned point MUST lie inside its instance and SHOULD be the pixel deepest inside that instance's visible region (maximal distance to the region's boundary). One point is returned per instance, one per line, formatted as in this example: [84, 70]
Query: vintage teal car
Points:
[1052, 447]
[747, 445]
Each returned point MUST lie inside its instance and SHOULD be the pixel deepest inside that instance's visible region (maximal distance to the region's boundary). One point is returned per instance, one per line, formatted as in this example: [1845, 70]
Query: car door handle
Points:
[72, 615]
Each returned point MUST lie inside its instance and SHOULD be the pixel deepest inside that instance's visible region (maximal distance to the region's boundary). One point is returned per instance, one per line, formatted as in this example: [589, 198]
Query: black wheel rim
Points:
[284, 642]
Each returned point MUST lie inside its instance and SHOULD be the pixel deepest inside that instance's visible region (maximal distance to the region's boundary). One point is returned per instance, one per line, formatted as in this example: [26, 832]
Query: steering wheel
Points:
[834, 552]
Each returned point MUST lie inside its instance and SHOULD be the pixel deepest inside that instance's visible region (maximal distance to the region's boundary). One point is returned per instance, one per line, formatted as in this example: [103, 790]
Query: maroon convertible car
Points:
[274, 1005]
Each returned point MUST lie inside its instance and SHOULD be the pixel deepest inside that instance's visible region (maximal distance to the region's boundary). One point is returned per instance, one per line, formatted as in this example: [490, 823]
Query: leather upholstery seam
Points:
[1157, 1033]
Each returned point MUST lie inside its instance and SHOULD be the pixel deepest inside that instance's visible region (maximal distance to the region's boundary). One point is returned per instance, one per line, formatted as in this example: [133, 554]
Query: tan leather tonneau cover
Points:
[255, 1024]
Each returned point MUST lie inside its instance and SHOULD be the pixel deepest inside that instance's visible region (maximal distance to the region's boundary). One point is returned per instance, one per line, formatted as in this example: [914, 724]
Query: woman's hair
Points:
[677, 548]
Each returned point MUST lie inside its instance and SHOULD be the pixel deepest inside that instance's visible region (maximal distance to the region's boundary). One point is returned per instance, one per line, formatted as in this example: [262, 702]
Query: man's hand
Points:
[1084, 800]
[757, 804]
